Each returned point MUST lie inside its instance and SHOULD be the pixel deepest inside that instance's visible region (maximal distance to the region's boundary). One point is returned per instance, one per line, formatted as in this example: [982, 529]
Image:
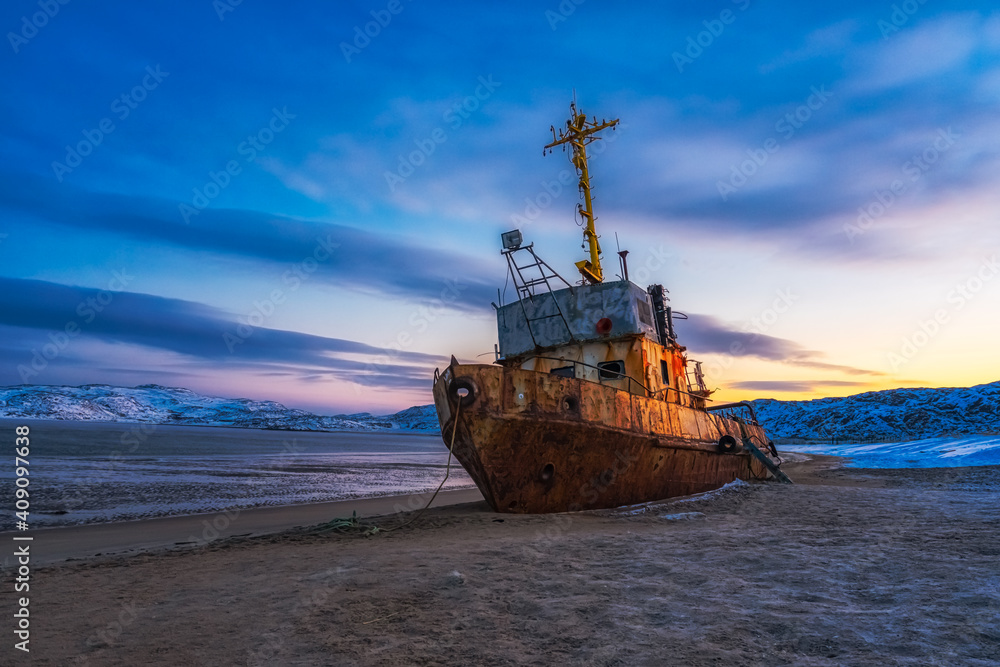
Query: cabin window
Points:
[611, 370]
[645, 314]
[664, 372]
[565, 372]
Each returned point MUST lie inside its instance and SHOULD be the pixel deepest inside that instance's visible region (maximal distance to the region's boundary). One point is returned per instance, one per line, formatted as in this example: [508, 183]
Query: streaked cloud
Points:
[50, 321]
[704, 334]
[793, 386]
[347, 256]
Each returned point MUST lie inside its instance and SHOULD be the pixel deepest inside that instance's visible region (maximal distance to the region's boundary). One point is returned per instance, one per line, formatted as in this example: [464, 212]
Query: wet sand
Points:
[860, 567]
[53, 545]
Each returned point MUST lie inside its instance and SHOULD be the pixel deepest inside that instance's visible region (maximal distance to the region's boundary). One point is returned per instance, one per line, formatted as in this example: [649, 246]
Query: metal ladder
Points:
[756, 452]
[526, 287]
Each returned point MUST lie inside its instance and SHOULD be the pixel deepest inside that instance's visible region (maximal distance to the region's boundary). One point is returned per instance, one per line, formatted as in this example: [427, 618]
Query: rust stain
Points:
[535, 442]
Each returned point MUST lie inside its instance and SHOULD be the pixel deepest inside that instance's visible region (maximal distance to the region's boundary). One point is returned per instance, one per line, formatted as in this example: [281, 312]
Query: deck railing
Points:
[646, 390]
[741, 411]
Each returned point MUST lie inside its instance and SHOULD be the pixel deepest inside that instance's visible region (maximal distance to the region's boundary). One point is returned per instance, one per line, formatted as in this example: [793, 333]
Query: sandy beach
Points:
[860, 567]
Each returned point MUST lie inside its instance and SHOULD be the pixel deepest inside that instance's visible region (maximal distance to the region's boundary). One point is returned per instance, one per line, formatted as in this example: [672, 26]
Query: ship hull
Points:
[538, 443]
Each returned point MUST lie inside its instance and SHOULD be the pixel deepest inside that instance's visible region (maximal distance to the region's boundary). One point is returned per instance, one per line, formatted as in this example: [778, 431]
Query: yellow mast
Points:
[579, 132]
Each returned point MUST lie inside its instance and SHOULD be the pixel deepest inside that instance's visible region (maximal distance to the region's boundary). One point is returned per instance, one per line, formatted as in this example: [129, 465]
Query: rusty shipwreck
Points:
[592, 402]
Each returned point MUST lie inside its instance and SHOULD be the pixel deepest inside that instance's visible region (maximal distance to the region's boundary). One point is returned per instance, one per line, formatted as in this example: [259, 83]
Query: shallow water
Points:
[87, 472]
[978, 450]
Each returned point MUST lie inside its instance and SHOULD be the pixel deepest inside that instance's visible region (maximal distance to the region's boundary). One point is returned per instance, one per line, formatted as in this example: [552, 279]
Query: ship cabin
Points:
[614, 333]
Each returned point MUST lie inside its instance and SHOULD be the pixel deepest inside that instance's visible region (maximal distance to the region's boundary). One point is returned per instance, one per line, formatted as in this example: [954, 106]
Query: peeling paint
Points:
[535, 442]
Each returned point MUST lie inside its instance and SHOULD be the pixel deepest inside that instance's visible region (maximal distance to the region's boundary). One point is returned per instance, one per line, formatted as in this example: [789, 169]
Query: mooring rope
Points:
[447, 472]
[352, 524]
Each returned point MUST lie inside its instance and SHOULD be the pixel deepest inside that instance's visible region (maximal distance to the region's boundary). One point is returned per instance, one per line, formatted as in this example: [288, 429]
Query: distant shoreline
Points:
[890, 415]
[30, 420]
[436, 432]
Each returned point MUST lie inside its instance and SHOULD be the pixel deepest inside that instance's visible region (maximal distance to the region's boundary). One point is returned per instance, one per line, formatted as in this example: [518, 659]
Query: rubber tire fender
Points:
[463, 383]
[729, 445]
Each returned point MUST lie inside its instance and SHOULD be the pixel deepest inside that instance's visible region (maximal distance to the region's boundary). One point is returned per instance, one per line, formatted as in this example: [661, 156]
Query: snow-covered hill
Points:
[168, 405]
[417, 418]
[894, 414]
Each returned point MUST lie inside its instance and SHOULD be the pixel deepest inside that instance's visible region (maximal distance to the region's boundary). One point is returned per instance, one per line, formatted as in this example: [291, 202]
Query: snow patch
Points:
[682, 516]
[929, 453]
[714, 493]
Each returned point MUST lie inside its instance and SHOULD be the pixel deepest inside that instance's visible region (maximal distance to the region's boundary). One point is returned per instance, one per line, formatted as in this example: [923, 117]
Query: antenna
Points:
[622, 261]
[579, 133]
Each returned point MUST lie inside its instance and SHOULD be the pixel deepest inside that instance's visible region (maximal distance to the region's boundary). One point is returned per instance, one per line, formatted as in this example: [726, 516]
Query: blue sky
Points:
[262, 200]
